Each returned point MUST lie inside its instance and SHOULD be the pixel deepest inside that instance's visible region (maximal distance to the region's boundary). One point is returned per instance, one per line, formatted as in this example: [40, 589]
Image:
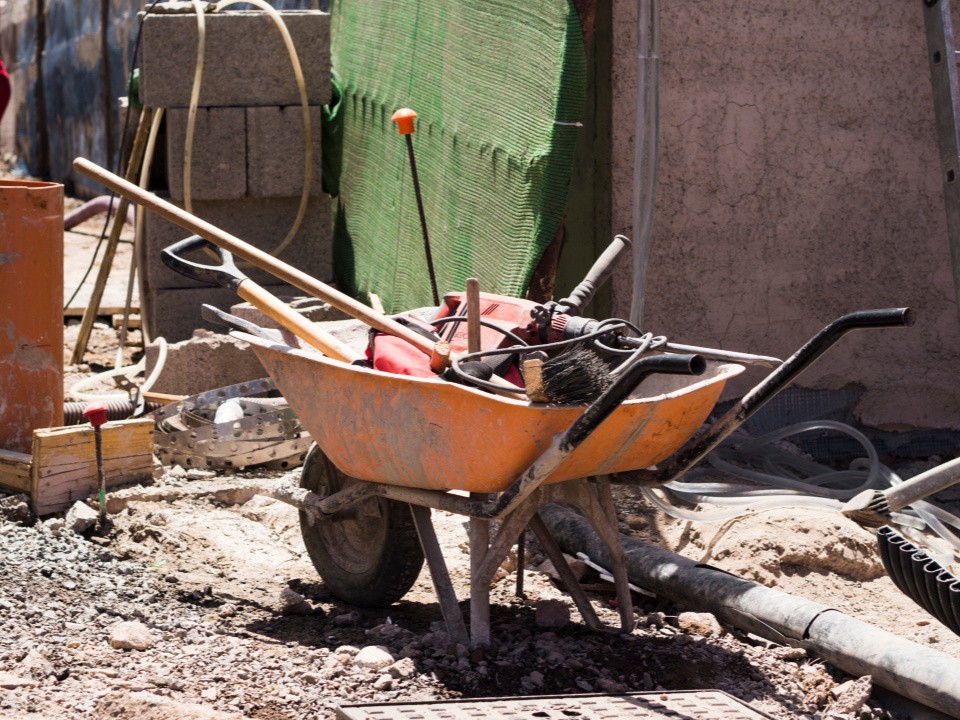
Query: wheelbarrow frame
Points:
[516, 507]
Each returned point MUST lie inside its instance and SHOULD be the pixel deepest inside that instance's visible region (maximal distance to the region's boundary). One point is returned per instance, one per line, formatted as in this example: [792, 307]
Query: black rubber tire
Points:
[369, 556]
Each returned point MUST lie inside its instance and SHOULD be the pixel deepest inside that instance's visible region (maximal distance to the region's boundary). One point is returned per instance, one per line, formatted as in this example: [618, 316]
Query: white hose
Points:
[78, 389]
[304, 104]
[790, 481]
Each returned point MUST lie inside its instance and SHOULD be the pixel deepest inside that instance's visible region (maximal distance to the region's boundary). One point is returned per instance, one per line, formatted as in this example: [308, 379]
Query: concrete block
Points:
[275, 151]
[246, 61]
[219, 154]
[263, 223]
[204, 361]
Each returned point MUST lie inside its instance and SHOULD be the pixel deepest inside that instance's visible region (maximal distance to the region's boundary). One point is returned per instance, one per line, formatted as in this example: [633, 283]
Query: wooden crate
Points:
[63, 465]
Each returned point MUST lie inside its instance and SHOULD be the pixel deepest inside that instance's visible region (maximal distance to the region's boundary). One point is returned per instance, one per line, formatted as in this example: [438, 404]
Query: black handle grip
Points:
[884, 317]
[225, 275]
[594, 279]
[623, 386]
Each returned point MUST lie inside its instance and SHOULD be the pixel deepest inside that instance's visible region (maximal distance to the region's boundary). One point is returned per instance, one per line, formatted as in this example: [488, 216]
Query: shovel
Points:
[438, 352]
[228, 276]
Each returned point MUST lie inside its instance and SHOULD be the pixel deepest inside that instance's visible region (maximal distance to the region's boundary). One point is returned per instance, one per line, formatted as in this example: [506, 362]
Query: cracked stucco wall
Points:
[799, 180]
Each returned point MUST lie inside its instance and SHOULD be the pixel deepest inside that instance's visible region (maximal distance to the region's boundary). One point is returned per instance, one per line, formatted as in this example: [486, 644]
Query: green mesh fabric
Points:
[499, 87]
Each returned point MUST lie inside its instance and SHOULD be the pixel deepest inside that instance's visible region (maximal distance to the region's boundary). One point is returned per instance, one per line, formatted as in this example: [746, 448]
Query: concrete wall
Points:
[799, 180]
[76, 91]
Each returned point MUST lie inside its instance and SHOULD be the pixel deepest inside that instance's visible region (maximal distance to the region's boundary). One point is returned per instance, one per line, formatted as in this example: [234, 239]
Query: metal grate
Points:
[689, 705]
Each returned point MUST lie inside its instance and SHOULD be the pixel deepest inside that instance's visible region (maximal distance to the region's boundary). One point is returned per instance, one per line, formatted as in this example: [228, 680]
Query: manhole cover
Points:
[689, 705]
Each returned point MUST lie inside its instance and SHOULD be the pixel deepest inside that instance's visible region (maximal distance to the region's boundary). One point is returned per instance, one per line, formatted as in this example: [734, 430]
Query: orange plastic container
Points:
[31, 310]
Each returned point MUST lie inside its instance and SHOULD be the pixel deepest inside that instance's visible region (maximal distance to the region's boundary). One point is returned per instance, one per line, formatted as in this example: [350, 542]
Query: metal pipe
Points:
[101, 204]
[919, 673]
[645, 149]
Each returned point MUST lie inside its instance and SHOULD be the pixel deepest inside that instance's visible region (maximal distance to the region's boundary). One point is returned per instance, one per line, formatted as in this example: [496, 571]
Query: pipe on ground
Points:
[919, 673]
[95, 207]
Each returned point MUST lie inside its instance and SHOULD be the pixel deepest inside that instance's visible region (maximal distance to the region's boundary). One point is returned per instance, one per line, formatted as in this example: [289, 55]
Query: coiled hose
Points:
[783, 480]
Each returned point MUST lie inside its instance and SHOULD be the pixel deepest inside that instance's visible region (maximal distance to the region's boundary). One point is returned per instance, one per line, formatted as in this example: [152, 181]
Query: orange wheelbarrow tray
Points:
[426, 433]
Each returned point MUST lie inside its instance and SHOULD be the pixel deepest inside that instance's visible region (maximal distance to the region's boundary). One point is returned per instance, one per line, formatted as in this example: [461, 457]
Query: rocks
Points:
[131, 635]
[403, 668]
[699, 624]
[851, 696]
[374, 657]
[80, 518]
[145, 706]
[293, 603]
[9, 681]
[552, 614]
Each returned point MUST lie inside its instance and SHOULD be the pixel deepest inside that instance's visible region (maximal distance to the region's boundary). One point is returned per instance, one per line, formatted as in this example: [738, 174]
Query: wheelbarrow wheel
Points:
[367, 555]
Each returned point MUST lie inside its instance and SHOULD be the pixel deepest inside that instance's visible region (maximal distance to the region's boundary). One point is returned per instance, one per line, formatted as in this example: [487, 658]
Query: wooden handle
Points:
[248, 252]
[473, 315]
[296, 323]
[923, 485]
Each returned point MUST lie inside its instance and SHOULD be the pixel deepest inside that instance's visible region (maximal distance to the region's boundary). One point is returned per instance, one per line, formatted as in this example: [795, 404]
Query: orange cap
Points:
[404, 118]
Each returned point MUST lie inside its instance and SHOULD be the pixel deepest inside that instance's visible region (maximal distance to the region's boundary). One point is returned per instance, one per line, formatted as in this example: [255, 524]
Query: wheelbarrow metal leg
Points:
[479, 544]
[569, 580]
[594, 498]
[449, 607]
[484, 566]
[606, 526]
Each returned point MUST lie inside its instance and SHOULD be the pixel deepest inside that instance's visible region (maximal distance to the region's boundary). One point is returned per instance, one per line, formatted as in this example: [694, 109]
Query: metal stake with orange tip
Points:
[404, 118]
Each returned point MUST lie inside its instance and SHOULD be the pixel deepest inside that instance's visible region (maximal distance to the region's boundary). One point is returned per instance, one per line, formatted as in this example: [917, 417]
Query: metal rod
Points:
[446, 596]
[423, 220]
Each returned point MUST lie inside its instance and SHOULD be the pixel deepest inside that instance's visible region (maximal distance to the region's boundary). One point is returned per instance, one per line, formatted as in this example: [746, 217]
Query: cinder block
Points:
[219, 153]
[246, 61]
[275, 151]
[203, 362]
[263, 223]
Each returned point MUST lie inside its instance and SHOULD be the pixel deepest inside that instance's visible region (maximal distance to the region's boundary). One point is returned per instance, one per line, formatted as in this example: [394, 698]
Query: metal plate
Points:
[690, 705]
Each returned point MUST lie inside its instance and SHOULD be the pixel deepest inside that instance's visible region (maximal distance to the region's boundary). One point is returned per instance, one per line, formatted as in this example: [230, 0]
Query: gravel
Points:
[66, 598]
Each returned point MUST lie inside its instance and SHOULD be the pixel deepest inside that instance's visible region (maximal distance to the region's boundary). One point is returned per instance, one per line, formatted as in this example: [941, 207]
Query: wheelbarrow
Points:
[389, 448]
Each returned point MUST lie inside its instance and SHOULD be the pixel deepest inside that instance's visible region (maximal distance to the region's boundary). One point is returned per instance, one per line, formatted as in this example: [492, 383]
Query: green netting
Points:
[498, 86]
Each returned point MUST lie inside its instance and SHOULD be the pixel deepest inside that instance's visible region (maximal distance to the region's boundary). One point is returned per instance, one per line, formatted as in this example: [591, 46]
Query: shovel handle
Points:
[261, 259]
[227, 275]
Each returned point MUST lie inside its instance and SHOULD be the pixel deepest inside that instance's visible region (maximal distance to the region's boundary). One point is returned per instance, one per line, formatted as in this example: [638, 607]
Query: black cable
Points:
[470, 380]
[116, 167]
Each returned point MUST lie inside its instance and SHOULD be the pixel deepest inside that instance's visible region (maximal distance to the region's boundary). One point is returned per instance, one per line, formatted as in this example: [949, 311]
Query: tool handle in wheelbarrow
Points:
[229, 276]
[583, 293]
[438, 352]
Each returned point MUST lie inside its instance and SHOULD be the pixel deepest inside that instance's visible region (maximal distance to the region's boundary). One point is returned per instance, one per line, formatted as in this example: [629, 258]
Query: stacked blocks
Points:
[247, 169]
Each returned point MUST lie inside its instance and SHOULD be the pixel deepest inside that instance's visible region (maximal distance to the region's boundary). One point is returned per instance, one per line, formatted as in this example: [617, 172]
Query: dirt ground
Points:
[234, 621]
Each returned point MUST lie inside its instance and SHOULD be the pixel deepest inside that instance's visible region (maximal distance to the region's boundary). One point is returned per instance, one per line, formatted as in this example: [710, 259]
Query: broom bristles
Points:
[577, 376]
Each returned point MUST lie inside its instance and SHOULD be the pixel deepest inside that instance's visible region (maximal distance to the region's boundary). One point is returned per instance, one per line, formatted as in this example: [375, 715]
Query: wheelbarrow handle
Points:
[563, 444]
[769, 387]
